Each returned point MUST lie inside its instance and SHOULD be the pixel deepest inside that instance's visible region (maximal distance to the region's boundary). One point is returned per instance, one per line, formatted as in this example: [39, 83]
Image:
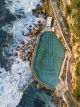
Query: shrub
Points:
[76, 92]
[77, 72]
[68, 10]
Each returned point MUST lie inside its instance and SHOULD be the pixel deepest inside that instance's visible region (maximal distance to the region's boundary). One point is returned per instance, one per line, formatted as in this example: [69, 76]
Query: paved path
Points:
[61, 23]
[66, 94]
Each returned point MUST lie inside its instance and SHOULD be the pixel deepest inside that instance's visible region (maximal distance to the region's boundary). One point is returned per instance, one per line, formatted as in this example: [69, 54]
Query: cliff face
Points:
[71, 12]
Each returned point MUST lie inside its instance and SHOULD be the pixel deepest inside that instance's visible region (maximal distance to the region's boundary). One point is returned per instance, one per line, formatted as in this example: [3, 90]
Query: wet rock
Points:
[18, 48]
[38, 10]
[34, 31]
[36, 25]
[15, 54]
[22, 54]
[22, 42]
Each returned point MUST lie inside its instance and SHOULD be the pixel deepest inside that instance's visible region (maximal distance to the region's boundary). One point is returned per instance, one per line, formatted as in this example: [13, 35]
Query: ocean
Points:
[15, 20]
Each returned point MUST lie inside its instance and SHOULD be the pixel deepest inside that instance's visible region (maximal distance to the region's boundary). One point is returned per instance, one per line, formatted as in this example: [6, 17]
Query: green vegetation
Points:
[68, 10]
[75, 27]
[76, 92]
[73, 16]
[74, 11]
[77, 72]
[76, 17]
[74, 3]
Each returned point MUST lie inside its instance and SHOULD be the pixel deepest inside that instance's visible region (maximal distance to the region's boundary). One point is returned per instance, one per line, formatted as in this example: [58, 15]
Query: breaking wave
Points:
[13, 81]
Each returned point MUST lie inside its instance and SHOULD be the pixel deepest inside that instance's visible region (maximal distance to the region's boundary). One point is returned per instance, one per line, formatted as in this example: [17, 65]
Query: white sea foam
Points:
[21, 25]
[24, 5]
[12, 82]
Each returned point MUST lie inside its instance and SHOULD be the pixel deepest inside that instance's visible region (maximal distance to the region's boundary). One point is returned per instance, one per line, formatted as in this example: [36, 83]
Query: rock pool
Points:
[48, 58]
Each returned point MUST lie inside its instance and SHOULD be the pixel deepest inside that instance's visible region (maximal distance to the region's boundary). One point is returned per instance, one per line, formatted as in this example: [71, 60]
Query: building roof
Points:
[49, 20]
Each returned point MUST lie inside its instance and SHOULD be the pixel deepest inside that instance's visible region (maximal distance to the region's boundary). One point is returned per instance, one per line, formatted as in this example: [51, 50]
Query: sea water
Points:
[34, 97]
[15, 18]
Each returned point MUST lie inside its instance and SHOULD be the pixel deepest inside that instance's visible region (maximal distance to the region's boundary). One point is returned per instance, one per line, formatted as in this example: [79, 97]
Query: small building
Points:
[53, 29]
[49, 21]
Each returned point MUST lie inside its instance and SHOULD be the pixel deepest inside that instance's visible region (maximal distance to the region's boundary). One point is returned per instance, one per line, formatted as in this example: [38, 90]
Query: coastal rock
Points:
[22, 54]
[38, 10]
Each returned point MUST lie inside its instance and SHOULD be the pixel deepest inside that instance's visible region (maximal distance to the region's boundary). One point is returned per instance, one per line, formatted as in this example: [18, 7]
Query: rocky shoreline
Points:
[26, 50]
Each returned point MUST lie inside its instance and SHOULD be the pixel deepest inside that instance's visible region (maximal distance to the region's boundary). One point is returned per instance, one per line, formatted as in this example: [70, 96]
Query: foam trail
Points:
[21, 5]
[21, 25]
[11, 83]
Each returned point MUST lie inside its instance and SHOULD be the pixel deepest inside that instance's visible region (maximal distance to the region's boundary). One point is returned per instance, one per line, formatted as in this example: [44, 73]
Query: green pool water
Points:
[48, 58]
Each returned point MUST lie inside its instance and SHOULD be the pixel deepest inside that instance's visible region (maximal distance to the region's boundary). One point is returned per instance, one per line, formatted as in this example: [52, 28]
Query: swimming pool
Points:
[48, 58]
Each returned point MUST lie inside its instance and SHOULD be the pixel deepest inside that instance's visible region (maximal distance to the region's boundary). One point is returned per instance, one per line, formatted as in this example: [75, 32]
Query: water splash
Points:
[12, 82]
[19, 6]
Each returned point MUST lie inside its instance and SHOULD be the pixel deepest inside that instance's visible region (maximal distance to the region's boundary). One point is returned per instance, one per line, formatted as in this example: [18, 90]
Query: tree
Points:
[76, 92]
[78, 69]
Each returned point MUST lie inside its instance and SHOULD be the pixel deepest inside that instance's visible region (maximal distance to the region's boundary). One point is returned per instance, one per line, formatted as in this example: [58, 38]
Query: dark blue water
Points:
[34, 97]
[5, 38]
